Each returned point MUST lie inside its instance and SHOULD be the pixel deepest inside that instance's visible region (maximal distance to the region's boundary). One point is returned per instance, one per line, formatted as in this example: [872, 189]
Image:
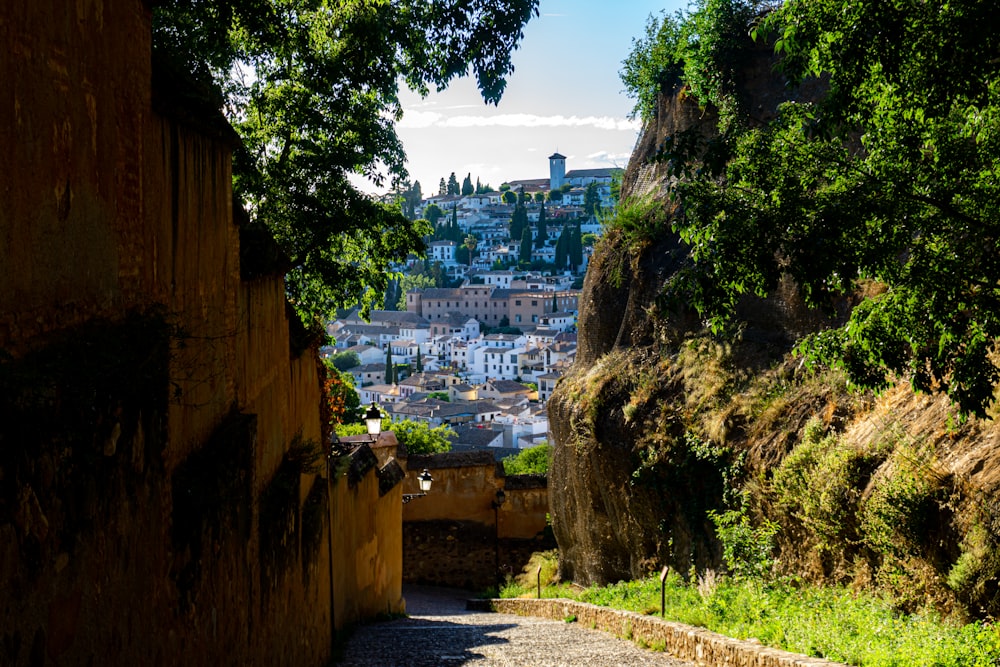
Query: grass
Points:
[826, 622]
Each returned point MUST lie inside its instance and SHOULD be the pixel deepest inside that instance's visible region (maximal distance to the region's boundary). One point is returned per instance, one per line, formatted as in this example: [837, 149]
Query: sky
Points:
[564, 96]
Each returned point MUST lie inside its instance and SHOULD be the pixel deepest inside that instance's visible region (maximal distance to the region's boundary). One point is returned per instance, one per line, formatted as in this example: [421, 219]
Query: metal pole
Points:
[538, 581]
[663, 591]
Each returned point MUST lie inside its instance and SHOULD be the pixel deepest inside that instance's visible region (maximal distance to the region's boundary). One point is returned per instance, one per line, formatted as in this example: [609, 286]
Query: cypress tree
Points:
[524, 253]
[575, 248]
[388, 364]
[542, 233]
[518, 221]
[562, 248]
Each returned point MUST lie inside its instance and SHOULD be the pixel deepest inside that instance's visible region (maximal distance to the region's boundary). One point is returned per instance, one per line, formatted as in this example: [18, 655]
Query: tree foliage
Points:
[531, 461]
[345, 360]
[541, 231]
[524, 249]
[518, 220]
[890, 179]
[341, 397]
[311, 86]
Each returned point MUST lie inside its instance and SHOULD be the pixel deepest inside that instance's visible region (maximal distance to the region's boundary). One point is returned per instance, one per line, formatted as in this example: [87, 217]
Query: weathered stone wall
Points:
[72, 131]
[454, 536]
[155, 506]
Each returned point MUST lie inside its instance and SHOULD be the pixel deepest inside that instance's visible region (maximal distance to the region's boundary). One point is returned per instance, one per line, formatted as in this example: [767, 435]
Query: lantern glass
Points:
[425, 479]
[373, 420]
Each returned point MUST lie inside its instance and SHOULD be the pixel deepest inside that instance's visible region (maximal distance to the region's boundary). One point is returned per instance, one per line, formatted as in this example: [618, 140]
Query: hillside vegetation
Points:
[796, 309]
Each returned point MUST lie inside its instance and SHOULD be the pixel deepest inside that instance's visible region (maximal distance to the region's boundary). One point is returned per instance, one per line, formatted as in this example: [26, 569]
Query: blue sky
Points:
[565, 95]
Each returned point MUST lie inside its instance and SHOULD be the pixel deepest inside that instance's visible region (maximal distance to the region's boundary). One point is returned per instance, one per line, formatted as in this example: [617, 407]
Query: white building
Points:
[442, 251]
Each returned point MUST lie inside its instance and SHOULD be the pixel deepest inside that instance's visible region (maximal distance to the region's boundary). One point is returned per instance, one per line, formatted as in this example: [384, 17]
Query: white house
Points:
[442, 251]
[367, 354]
[383, 394]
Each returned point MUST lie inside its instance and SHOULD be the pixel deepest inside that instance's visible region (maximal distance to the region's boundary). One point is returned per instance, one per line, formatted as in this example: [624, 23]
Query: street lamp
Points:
[373, 421]
[424, 479]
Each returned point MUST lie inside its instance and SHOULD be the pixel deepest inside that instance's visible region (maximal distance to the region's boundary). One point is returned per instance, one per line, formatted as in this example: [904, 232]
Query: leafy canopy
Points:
[311, 86]
[888, 179]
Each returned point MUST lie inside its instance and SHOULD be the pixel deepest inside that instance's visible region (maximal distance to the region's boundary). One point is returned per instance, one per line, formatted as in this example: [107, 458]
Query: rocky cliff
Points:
[660, 422]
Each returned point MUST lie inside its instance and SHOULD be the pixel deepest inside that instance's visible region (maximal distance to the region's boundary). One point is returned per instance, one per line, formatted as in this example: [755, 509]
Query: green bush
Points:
[531, 461]
[746, 549]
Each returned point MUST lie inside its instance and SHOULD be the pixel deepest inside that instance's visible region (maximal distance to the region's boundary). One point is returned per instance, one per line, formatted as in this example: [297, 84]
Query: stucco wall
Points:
[454, 537]
[153, 509]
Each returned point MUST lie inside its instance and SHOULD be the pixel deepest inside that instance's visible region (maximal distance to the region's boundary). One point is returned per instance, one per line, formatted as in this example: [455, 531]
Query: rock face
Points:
[658, 423]
[608, 525]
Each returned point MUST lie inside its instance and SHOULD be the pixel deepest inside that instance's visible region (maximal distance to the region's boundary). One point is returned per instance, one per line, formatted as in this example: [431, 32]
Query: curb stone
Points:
[681, 641]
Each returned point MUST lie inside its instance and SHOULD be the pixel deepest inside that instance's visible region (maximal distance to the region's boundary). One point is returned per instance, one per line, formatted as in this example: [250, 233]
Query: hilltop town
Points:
[477, 334]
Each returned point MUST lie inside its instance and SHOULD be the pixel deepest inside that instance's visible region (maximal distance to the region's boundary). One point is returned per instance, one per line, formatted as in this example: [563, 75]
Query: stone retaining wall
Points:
[682, 641]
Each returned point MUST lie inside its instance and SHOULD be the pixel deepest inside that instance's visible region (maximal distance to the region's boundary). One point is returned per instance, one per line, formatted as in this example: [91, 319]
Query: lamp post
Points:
[373, 421]
[424, 479]
[499, 498]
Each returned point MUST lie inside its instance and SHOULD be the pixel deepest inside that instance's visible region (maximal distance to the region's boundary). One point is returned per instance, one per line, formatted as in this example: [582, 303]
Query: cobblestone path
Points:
[441, 632]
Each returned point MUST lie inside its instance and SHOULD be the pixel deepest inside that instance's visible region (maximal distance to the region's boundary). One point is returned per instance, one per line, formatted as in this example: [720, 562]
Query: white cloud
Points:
[424, 119]
[607, 157]
[420, 119]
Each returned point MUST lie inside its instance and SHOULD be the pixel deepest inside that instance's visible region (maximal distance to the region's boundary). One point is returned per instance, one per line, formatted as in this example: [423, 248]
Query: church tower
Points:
[557, 171]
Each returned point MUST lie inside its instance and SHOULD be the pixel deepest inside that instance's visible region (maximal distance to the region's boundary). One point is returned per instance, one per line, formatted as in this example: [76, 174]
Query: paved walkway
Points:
[441, 632]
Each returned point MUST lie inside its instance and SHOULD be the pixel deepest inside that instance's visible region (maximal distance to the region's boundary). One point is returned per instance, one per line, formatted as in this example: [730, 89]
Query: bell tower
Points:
[557, 171]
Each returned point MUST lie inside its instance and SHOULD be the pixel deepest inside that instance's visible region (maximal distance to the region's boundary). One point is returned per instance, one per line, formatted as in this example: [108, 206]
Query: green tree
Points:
[344, 361]
[562, 248]
[418, 437]
[531, 461]
[388, 364]
[888, 178]
[509, 197]
[312, 90]
[467, 187]
[555, 195]
[653, 64]
[470, 243]
[453, 186]
[442, 187]
[524, 251]
[420, 363]
[454, 232]
[433, 213]
[518, 220]
[588, 240]
[411, 281]
[421, 438]
[541, 235]
[539, 197]
[574, 248]
[592, 199]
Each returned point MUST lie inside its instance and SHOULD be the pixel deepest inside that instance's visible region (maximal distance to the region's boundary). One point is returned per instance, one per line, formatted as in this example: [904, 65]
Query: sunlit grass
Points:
[827, 622]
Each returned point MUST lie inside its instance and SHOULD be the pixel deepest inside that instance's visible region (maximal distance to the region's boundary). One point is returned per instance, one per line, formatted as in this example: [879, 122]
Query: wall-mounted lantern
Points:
[373, 421]
[424, 479]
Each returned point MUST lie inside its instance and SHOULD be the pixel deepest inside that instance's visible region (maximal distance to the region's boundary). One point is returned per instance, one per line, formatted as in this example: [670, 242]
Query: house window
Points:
[517, 302]
[534, 302]
[517, 318]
